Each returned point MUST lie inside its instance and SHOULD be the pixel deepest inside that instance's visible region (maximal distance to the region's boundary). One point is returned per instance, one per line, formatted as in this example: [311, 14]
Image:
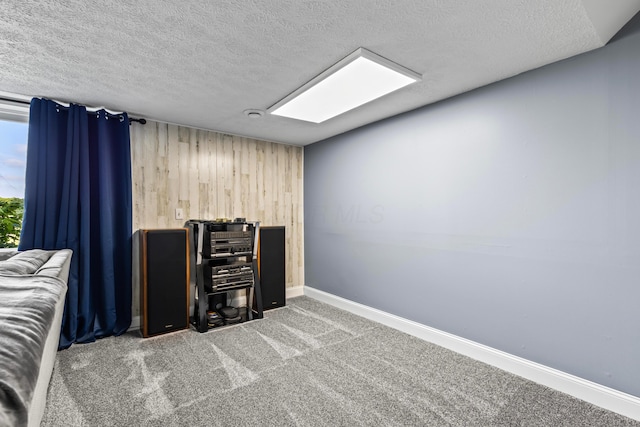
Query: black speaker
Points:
[164, 273]
[271, 266]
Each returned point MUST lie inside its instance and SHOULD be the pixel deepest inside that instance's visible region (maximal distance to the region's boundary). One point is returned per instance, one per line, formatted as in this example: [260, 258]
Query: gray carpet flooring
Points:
[307, 364]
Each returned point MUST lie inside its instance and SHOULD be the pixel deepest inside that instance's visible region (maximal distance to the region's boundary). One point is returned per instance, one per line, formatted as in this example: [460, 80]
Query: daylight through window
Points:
[13, 156]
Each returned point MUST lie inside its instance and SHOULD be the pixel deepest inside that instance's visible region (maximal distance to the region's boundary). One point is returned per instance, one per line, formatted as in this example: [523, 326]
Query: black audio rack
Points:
[224, 258]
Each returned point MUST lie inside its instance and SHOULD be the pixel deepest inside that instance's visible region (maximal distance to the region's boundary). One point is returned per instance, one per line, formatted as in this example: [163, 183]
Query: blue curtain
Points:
[78, 196]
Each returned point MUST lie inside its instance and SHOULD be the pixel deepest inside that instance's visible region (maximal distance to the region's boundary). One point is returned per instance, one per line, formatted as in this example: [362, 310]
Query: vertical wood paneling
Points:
[212, 175]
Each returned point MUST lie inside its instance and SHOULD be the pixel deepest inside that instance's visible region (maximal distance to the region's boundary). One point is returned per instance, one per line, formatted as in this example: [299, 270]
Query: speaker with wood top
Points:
[164, 274]
[271, 266]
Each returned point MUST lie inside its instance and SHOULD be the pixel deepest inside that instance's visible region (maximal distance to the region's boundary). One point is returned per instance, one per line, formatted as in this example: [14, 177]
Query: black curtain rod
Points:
[142, 121]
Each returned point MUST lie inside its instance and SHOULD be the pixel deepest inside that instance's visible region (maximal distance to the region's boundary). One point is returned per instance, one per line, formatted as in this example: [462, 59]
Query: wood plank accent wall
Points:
[213, 175]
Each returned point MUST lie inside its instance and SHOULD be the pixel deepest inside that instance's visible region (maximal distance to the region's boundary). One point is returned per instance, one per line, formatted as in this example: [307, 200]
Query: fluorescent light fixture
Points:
[357, 79]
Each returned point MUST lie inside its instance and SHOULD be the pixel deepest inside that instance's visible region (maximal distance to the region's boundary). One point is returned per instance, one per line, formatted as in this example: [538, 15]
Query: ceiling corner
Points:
[608, 20]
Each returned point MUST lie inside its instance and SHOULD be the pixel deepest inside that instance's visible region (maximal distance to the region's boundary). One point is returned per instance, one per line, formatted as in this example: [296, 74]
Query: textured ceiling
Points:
[202, 64]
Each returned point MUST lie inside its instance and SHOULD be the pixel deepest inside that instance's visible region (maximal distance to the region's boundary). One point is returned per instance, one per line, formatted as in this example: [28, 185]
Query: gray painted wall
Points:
[509, 215]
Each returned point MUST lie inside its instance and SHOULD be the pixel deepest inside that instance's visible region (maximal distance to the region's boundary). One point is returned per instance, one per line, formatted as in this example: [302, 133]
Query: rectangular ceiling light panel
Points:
[357, 79]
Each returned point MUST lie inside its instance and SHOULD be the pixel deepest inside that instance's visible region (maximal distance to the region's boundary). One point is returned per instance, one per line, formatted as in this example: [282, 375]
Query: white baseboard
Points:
[602, 396]
[135, 324]
[296, 291]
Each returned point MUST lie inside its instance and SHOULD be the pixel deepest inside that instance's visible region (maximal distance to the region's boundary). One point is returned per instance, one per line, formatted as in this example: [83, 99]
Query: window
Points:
[13, 156]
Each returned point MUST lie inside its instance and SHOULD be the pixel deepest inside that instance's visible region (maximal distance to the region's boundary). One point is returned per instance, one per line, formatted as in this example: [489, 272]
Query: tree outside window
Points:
[13, 154]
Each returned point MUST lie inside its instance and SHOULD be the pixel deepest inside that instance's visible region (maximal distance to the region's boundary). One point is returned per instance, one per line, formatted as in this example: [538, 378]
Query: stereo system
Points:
[227, 243]
[227, 277]
[224, 261]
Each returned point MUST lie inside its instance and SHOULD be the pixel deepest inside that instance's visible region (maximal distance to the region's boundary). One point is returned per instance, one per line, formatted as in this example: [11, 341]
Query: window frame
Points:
[13, 108]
